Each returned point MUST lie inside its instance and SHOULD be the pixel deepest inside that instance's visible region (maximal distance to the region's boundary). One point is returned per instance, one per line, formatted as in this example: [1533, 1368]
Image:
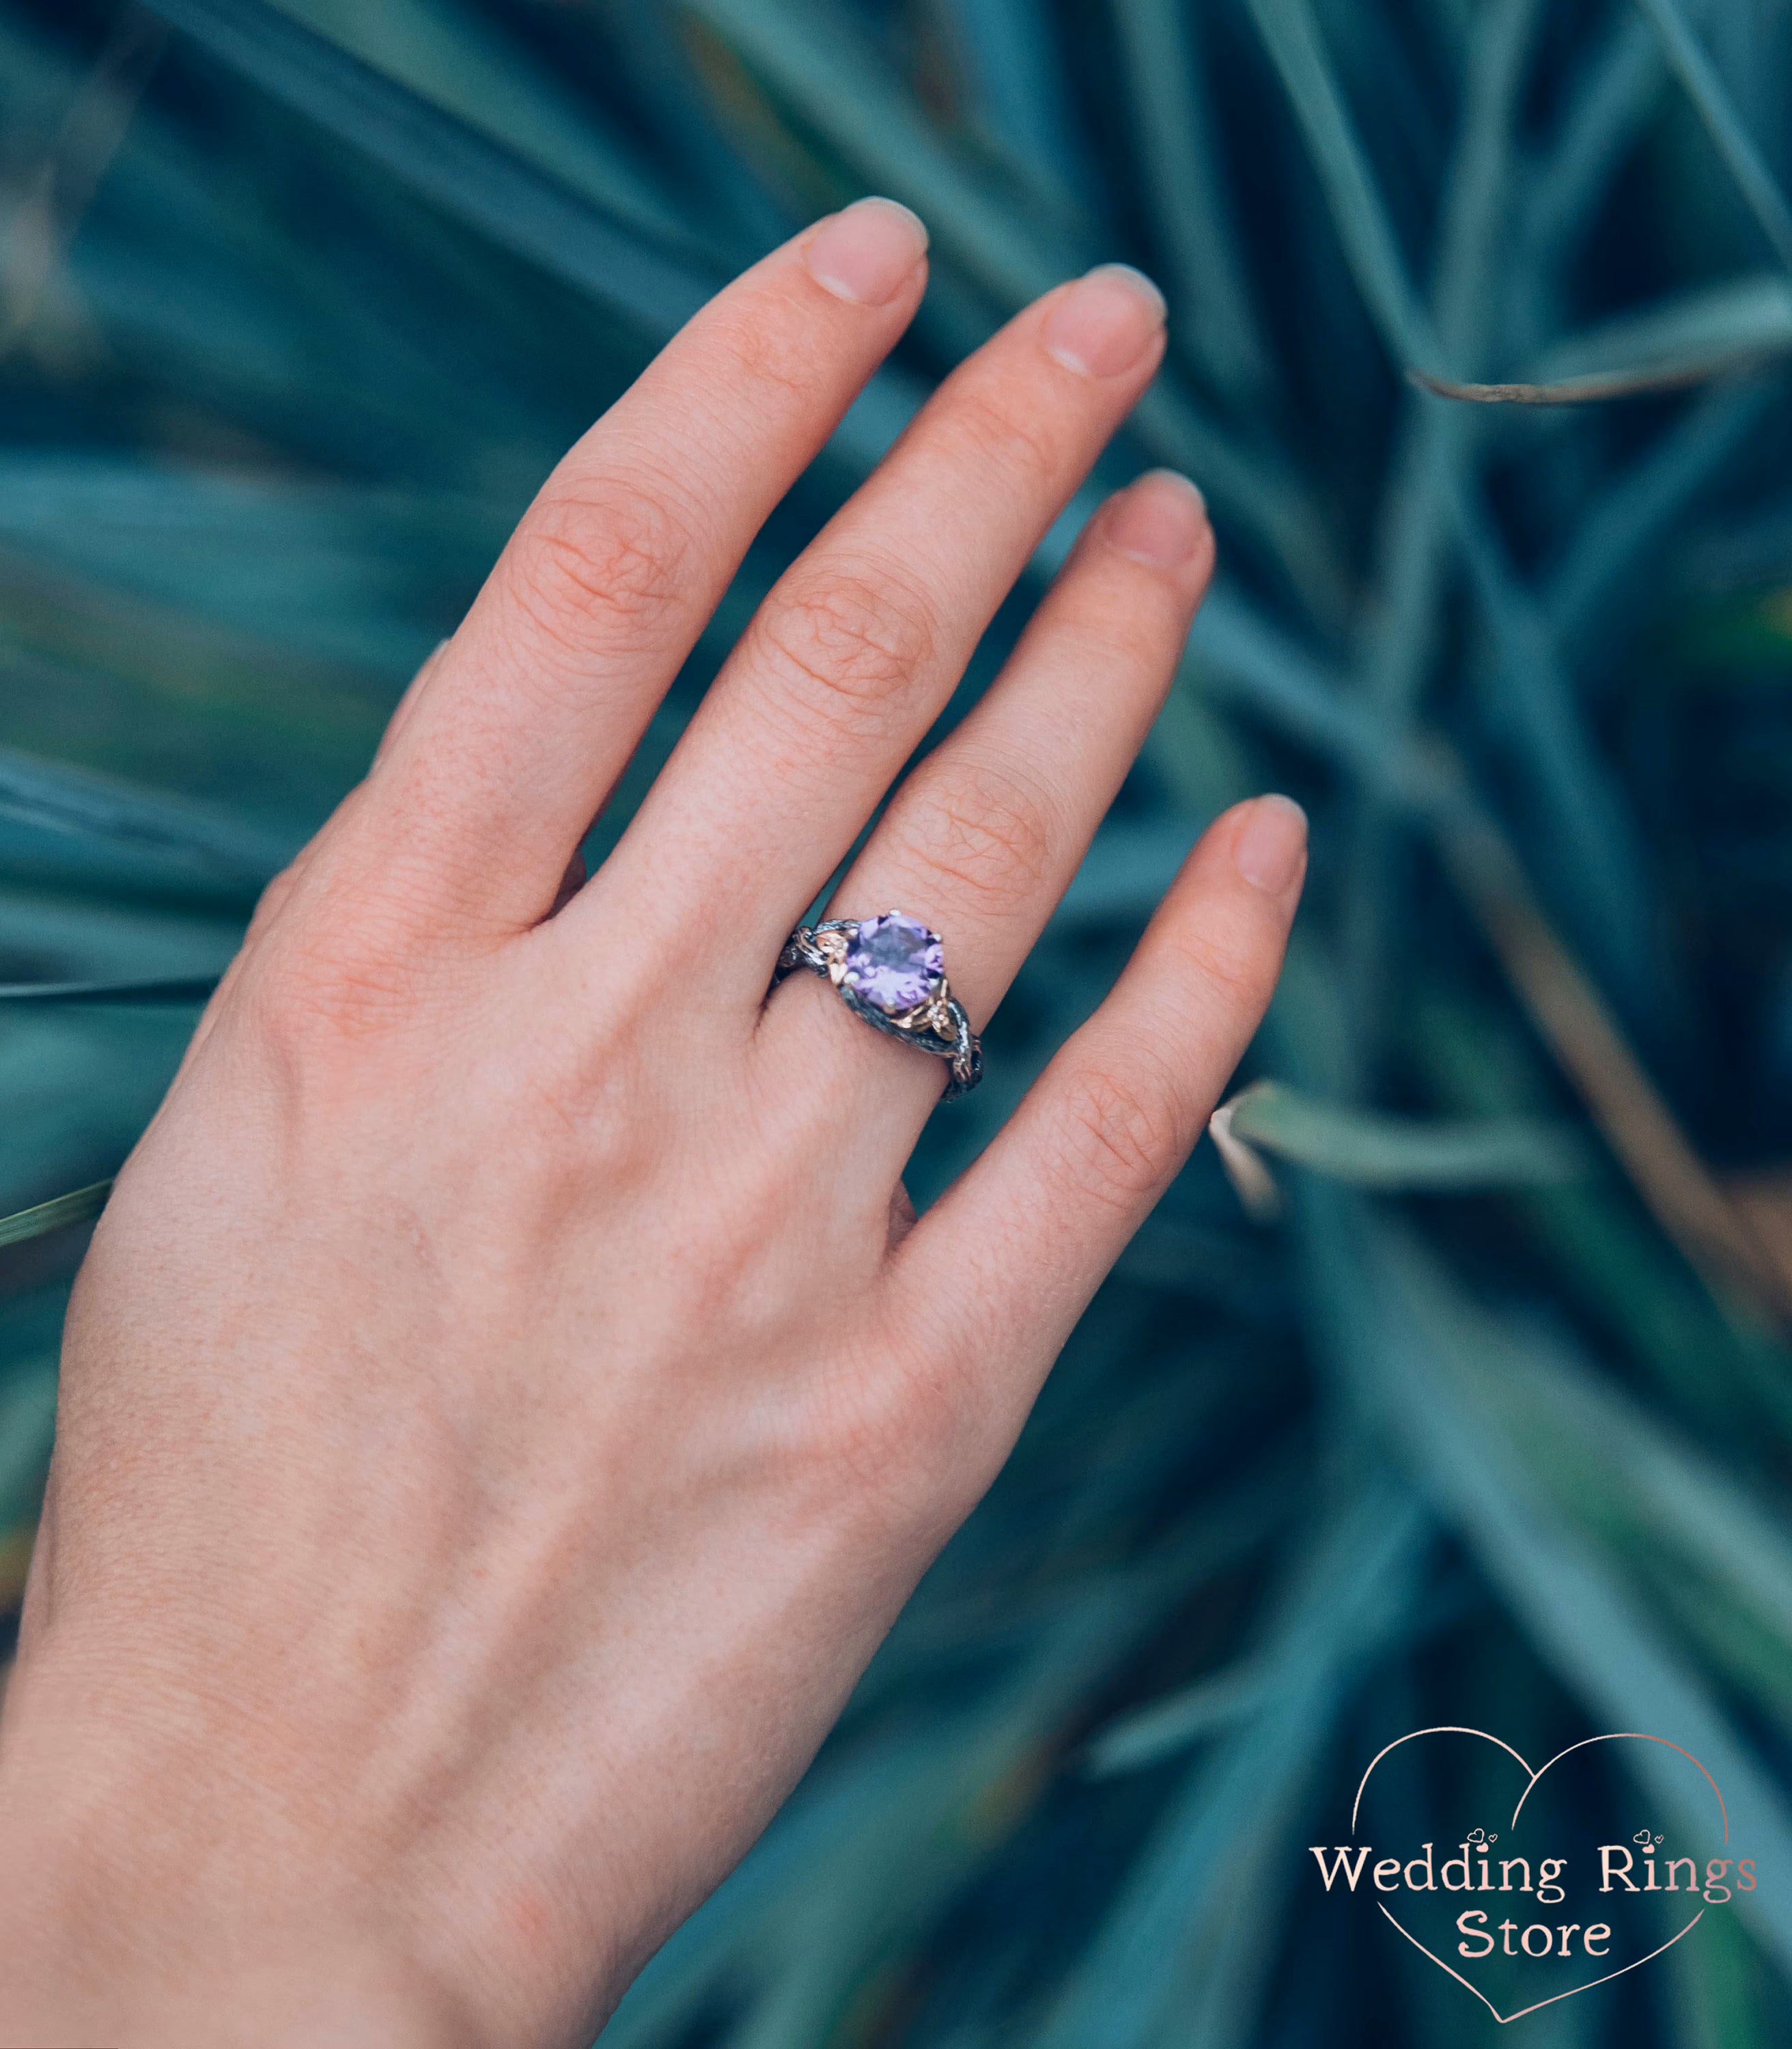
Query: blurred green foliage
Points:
[1482, 1413]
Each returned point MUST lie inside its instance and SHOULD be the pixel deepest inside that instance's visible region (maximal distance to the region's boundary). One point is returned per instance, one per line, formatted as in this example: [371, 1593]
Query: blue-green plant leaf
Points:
[78, 1206]
[1377, 1150]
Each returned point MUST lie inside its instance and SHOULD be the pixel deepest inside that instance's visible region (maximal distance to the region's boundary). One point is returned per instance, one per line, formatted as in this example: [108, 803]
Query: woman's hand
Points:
[509, 1396]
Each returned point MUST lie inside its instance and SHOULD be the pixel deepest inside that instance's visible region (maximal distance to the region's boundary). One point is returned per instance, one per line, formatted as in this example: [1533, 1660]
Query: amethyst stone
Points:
[894, 963]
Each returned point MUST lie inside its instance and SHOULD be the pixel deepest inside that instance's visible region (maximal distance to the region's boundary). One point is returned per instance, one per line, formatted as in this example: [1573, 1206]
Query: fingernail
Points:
[1271, 846]
[1105, 321]
[868, 252]
[1158, 520]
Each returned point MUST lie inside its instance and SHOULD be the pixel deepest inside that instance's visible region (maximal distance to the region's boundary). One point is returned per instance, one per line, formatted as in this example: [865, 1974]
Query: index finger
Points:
[532, 711]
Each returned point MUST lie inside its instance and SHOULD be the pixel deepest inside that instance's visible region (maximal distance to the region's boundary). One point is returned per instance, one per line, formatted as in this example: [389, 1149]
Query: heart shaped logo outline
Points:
[1615, 1736]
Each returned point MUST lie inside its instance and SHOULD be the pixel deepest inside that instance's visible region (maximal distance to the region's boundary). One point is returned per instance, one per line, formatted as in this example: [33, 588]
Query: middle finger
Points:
[850, 659]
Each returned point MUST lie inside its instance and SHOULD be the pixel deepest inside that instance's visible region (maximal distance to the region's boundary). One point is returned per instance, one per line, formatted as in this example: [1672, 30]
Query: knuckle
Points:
[344, 967]
[988, 829]
[314, 993]
[1123, 1135]
[598, 558]
[1222, 967]
[1106, 628]
[764, 352]
[893, 1429]
[1007, 439]
[848, 640]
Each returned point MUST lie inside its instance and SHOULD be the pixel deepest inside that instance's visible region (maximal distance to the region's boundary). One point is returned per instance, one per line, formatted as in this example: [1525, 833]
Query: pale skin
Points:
[472, 1503]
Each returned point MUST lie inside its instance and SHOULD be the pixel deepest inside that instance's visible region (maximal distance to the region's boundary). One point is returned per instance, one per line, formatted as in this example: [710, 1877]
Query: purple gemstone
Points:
[895, 963]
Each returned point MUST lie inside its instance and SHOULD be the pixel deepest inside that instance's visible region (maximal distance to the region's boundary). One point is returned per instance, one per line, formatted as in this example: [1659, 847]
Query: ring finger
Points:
[983, 838]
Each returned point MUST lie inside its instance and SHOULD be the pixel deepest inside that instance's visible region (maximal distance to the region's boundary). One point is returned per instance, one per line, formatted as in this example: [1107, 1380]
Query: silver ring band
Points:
[890, 971]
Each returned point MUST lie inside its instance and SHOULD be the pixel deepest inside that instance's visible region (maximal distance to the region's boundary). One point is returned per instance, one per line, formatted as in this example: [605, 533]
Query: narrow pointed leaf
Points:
[1375, 1149]
[78, 1206]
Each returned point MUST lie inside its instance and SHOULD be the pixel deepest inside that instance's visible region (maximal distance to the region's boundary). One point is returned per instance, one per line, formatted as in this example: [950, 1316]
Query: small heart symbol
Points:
[1530, 1784]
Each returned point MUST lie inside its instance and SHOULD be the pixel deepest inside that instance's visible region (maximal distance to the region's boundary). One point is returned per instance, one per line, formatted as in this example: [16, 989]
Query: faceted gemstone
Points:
[895, 963]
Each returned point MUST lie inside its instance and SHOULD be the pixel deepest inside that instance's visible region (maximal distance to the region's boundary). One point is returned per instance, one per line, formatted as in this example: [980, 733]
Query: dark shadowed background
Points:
[1464, 1397]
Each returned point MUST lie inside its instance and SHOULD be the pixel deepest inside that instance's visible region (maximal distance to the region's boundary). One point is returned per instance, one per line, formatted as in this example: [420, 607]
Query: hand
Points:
[509, 1396]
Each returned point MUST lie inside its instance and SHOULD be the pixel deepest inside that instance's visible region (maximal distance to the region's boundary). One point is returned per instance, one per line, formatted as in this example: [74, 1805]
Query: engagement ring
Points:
[891, 971]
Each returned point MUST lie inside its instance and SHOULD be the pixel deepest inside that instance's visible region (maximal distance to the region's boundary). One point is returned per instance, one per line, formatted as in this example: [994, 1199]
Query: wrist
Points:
[110, 1936]
[167, 1876]
[82, 1979]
